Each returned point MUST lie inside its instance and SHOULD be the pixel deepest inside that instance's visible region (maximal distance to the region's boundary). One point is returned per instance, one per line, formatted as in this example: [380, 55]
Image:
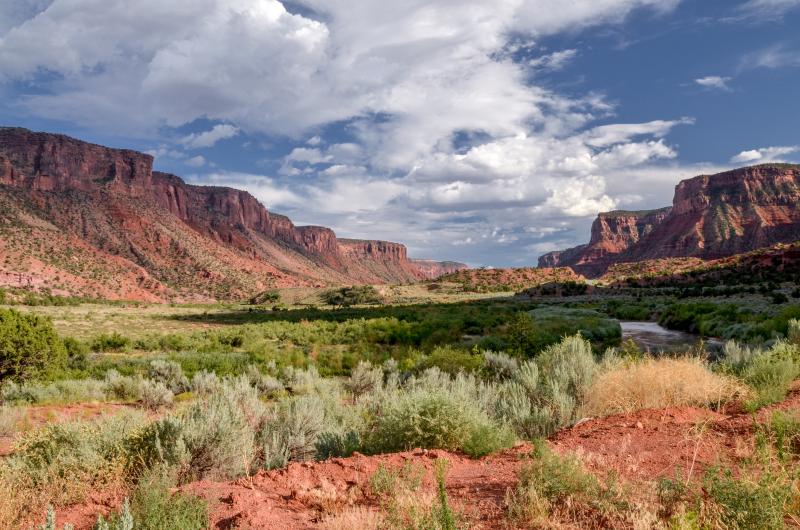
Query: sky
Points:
[476, 131]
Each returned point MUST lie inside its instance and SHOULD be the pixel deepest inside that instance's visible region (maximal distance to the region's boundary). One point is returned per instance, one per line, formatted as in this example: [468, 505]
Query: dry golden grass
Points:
[358, 518]
[658, 383]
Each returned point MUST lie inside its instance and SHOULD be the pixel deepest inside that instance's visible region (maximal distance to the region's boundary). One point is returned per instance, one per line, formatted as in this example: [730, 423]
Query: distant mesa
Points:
[711, 217]
[84, 219]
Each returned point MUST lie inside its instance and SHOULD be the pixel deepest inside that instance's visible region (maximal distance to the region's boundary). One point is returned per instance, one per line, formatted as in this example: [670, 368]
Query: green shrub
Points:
[451, 360]
[545, 393]
[549, 479]
[749, 502]
[205, 383]
[153, 507]
[62, 462]
[349, 296]
[170, 374]
[434, 411]
[218, 436]
[121, 386]
[113, 342]
[337, 445]
[29, 347]
[154, 394]
[499, 365]
[487, 439]
[292, 433]
[364, 379]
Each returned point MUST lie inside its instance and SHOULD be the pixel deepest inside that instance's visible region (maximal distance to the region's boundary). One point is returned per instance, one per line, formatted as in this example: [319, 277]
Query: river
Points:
[650, 336]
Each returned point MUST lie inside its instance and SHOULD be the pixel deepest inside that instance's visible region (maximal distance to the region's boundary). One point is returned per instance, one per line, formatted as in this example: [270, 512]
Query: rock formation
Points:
[150, 235]
[712, 216]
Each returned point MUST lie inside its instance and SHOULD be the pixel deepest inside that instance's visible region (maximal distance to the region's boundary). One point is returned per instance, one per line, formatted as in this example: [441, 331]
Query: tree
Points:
[29, 346]
[348, 296]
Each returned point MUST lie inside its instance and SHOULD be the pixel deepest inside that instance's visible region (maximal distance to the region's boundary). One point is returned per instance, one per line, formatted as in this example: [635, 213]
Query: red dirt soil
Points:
[636, 447]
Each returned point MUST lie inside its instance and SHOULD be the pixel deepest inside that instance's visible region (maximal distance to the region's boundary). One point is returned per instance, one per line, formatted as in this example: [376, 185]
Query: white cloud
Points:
[768, 8]
[554, 61]
[209, 138]
[777, 56]
[714, 81]
[406, 77]
[196, 161]
[765, 154]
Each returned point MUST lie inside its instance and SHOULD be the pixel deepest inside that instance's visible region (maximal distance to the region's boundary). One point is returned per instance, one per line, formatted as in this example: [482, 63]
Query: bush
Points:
[768, 372]
[205, 383]
[154, 394]
[170, 374]
[153, 507]
[122, 386]
[113, 342]
[62, 462]
[658, 383]
[749, 501]
[451, 360]
[364, 379]
[499, 365]
[29, 347]
[292, 433]
[545, 393]
[349, 296]
[549, 479]
[436, 413]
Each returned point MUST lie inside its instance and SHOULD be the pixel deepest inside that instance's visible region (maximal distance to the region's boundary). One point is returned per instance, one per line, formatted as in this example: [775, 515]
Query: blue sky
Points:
[484, 132]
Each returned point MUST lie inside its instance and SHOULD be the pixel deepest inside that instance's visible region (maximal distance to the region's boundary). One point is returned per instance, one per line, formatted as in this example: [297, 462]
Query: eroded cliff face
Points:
[217, 241]
[712, 216]
[50, 162]
[613, 233]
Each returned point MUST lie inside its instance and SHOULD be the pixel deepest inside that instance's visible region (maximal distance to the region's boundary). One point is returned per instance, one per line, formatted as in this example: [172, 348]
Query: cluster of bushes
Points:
[350, 296]
[729, 321]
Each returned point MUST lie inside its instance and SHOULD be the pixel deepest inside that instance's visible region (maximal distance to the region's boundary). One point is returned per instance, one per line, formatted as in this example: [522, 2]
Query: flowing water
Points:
[650, 336]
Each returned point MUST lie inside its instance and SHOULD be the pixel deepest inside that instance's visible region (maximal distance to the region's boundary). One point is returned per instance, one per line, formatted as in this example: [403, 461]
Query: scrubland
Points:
[229, 393]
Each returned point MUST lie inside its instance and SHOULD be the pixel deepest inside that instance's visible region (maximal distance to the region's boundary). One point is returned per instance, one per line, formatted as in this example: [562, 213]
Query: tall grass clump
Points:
[553, 487]
[658, 383]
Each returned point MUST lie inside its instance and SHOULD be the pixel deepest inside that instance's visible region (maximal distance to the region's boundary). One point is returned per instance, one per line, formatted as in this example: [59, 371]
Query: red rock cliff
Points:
[613, 233]
[712, 216]
[151, 230]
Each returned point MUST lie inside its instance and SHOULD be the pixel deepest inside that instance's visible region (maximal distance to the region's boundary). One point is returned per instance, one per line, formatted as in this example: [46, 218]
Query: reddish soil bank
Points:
[636, 447]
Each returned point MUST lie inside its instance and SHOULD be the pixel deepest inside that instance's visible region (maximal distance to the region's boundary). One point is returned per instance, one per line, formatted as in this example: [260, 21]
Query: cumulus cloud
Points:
[407, 78]
[764, 154]
[714, 81]
[209, 138]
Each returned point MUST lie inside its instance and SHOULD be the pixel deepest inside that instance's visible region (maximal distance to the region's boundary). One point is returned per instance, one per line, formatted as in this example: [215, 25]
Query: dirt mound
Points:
[299, 496]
